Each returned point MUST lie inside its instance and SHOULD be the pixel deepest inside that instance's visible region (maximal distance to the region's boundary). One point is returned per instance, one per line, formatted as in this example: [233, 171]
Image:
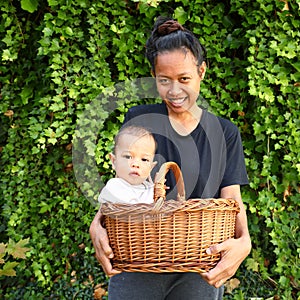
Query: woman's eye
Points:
[185, 79]
[164, 81]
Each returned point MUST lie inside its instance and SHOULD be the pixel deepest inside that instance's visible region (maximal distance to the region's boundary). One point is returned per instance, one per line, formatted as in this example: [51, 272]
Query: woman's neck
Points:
[184, 123]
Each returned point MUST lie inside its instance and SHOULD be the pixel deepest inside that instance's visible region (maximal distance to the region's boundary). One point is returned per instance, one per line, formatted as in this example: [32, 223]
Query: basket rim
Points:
[169, 206]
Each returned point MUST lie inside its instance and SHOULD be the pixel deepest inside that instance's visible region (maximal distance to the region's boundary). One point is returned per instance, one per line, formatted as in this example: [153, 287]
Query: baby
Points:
[132, 159]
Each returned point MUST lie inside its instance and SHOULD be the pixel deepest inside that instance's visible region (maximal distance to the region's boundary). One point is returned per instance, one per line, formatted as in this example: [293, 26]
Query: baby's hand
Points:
[159, 187]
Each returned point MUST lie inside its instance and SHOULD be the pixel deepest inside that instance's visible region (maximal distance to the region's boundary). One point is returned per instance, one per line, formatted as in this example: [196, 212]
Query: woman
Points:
[207, 148]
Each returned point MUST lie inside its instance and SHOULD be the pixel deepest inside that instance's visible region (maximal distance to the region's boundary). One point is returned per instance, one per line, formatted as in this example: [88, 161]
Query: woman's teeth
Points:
[177, 101]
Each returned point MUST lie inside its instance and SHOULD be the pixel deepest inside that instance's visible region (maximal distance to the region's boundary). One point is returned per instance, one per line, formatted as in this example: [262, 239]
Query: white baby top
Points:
[118, 190]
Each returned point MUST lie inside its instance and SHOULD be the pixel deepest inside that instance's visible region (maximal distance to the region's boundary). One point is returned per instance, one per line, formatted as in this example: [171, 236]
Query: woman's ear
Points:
[112, 158]
[202, 70]
[152, 73]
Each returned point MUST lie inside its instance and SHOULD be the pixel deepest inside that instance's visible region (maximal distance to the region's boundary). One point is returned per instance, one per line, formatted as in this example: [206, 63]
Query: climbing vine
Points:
[58, 56]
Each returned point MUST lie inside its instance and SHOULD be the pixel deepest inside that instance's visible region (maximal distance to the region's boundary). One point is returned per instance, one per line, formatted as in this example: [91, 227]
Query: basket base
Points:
[178, 267]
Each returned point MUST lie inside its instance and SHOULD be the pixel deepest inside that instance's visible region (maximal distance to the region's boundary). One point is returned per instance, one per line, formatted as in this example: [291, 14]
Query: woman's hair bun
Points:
[168, 27]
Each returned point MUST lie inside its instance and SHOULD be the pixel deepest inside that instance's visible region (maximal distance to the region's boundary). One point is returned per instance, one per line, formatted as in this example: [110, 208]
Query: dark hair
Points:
[168, 35]
[132, 130]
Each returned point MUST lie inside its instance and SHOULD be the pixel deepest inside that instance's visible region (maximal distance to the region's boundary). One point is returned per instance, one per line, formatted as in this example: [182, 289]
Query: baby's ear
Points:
[153, 164]
[112, 158]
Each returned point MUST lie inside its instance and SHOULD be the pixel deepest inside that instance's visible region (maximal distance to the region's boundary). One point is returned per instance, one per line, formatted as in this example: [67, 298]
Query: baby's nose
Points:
[135, 163]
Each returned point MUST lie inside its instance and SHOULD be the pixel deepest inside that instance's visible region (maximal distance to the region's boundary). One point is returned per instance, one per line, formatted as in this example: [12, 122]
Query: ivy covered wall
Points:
[57, 56]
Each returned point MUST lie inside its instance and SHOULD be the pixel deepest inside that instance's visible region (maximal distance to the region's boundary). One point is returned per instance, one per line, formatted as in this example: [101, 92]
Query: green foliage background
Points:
[58, 55]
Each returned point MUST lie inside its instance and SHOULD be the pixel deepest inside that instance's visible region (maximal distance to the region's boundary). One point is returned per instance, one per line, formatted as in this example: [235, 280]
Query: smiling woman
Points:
[209, 152]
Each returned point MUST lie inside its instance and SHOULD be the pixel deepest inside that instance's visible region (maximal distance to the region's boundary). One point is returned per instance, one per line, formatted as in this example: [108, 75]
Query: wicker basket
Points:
[168, 236]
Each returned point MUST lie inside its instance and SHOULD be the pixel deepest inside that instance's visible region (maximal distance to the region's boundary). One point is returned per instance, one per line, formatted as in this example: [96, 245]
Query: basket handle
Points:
[159, 185]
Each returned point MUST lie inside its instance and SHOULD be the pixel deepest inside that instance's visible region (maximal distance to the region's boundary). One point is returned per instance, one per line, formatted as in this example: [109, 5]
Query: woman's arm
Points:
[101, 245]
[233, 251]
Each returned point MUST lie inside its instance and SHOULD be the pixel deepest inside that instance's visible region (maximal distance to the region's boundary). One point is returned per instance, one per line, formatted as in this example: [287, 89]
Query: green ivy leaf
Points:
[8, 269]
[18, 250]
[180, 14]
[7, 55]
[252, 265]
[2, 252]
[69, 31]
[29, 5]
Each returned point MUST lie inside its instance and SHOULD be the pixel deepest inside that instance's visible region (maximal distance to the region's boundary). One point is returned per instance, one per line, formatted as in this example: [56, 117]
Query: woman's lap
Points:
[159, 286]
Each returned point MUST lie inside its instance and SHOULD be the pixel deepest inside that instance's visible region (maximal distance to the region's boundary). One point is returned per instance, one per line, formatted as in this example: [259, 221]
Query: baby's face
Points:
[133, 159]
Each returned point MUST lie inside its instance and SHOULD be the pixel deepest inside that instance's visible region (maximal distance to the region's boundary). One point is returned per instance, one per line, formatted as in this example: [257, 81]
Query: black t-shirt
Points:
[210, 157]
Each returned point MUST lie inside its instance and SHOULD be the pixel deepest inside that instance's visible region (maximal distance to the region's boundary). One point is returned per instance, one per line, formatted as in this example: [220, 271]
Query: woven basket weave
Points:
[168, 236]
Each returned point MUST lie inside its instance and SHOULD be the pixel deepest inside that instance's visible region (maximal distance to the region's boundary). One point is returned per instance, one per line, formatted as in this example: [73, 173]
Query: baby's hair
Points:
[168, 35]
[133, 130]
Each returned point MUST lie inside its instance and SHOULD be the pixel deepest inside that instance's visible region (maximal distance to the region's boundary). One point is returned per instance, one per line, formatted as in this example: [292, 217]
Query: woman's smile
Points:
[177, 102]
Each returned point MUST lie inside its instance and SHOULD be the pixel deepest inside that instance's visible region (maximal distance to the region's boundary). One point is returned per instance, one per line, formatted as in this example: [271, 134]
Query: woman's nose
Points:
[175, 89]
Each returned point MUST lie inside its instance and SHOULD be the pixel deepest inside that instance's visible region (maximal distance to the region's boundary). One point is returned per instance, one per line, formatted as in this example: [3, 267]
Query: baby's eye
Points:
[145, 159]
[127, 156]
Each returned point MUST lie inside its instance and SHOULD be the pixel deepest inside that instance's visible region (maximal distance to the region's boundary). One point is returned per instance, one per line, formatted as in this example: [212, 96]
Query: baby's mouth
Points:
[134, 173]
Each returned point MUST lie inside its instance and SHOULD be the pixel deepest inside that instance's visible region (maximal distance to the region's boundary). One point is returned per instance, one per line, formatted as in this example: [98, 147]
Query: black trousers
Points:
[161, 286]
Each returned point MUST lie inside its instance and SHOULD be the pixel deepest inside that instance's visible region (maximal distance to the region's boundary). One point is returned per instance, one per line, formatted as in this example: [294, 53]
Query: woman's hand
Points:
[233, 252]
[101, 245]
